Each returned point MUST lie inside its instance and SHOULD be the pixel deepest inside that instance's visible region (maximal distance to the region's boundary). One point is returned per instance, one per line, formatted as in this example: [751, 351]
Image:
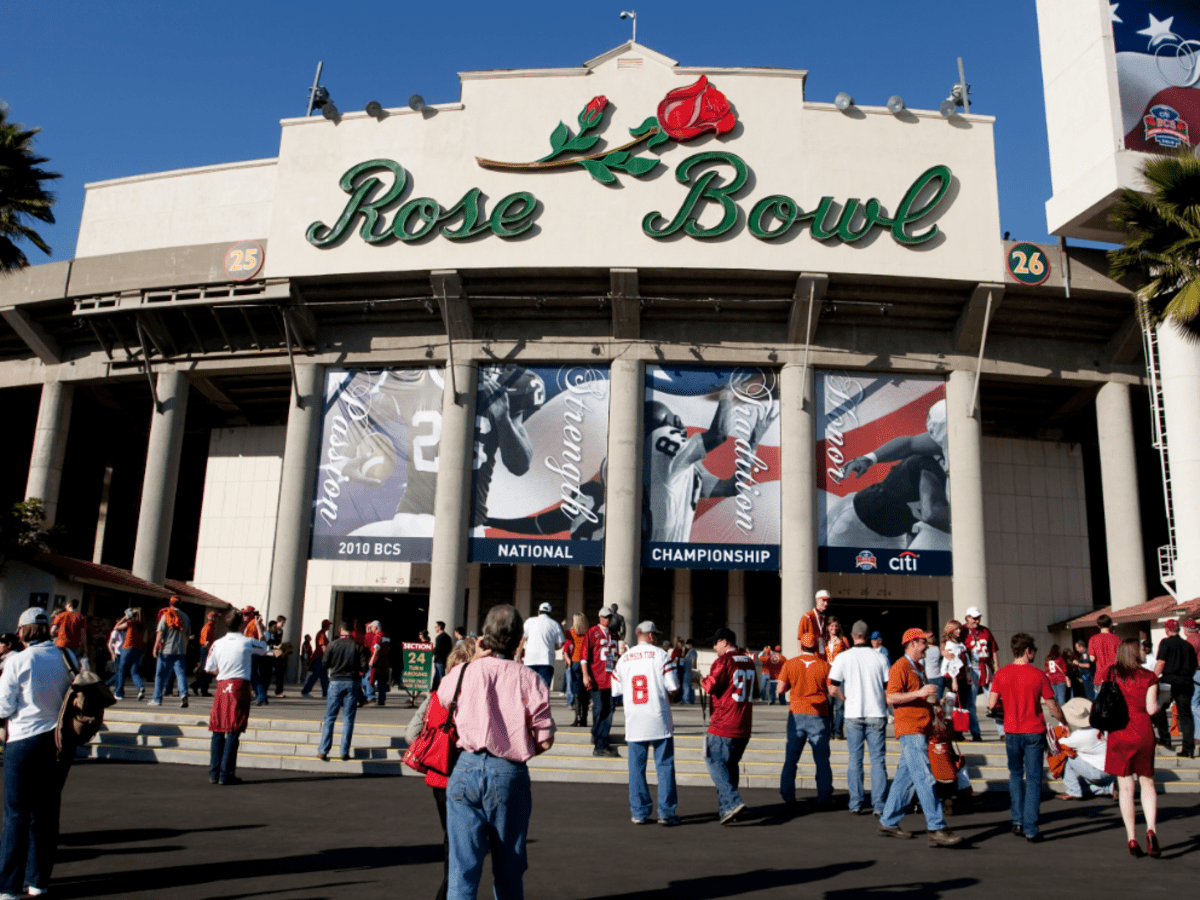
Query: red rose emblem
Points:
[691, 111]
[592, 112]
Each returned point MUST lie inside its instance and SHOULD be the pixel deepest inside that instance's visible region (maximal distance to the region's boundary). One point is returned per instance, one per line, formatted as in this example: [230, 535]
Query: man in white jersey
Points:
[675, 462]
[645, 676]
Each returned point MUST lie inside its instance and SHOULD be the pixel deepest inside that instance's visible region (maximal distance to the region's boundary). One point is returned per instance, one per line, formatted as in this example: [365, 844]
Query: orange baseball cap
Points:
[915, 634]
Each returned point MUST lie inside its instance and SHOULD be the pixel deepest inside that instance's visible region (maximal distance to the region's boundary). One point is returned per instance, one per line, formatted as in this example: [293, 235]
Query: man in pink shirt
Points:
[503, 721]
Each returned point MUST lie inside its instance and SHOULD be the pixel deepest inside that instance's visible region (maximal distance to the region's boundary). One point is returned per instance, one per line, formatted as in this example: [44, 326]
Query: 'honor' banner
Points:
[711, 498]
[1157, 45]
[883, 493]
[541, 440]
[377, 473]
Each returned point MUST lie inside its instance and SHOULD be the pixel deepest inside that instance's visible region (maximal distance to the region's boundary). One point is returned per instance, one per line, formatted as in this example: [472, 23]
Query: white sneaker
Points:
[154, 703]
[36, 891]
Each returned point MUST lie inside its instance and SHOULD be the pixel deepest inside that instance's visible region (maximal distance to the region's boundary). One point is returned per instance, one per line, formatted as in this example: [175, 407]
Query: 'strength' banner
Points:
[711, 488]
[541, 439]
[377, 473]
[883, 494]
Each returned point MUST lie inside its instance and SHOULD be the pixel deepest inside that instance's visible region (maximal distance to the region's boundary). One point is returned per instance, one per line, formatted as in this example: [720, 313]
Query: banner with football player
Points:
[377, 473]
[711, 471]
[1157, 45]
[883, 490]
[541, 442]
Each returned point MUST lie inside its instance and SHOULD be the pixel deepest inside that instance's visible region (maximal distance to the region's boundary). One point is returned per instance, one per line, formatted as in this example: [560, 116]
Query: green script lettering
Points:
[703, 190]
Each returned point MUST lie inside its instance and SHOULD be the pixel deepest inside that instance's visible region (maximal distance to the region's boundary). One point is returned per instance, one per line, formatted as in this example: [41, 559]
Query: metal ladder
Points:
[1166, 553]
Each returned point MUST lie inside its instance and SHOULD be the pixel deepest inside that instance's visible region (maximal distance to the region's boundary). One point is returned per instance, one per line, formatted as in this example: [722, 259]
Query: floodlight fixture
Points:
[895, 104]
[843, 101]
[416, 103]
[375, 110]
[329, 111]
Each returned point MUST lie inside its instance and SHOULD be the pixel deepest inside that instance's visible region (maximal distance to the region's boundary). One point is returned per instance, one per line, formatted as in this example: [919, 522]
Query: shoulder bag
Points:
[1110, 712]
[436, 747]
[81, 715]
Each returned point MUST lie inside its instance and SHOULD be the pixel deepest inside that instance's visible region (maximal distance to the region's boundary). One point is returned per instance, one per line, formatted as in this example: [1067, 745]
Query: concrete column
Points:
[682, 603]
[293, 520]
[162, 475]
[574, 591]
[623, 521]
[50, 446]
[966, 495]
[102, 513]
[798, 486]
[1180, 363]
[474, 573]
[523, 590]
[1122, 512]
[452, 520]
[736, 605]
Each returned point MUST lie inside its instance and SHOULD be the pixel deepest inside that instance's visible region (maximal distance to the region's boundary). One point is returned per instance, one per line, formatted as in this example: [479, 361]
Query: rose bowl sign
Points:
[715, 178]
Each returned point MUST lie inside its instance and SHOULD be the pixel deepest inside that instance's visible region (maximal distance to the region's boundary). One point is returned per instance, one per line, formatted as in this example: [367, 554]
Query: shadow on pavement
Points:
[709, 888]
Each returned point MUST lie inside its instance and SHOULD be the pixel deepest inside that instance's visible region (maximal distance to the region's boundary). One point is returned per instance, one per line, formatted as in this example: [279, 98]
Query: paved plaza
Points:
[153, 831]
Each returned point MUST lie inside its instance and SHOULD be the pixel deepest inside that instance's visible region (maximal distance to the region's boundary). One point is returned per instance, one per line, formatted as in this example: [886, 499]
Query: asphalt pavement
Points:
[152, 831]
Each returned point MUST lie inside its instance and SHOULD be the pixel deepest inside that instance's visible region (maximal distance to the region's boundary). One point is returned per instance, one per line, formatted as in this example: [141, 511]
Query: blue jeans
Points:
[316, 673]
[1062, 692]
[602, 716]
[975, 732]
[343, 694]
[546, 673]
[839, 718]
[439, 672]
[763, 686]
[168, 662]
[940, 681]
[721, 757]
[129, 661]
[913, 774]
[1196, 699]
[488, 802]
[1089, 689]
[222, 755]
[639, 789]
[573, 683]
[260, 676]
[1080, 778]
[689, 690]
[368, 688]
[1026, 754]
[33, 783]
[873, 732]
[814, 730]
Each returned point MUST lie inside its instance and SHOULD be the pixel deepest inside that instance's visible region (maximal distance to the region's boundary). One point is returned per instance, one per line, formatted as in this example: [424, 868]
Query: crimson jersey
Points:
[730, 686]
[599, 650]
[982, 645]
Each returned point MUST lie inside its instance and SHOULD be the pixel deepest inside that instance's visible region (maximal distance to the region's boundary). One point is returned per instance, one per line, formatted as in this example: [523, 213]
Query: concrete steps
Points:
[287, 738]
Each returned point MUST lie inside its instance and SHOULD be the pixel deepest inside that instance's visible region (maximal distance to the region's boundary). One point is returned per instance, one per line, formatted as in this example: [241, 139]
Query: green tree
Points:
[23, 532]
[23, 195]
[1161, 253]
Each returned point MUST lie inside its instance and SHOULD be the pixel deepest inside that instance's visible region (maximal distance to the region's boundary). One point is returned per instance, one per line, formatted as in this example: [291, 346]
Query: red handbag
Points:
[961, 721]
[436, 747]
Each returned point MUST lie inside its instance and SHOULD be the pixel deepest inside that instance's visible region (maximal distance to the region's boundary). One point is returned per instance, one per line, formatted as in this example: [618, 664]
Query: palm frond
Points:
[23, 195]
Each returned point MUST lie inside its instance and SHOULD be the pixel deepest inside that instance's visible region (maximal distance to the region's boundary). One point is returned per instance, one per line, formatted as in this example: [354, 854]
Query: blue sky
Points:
[125, 88]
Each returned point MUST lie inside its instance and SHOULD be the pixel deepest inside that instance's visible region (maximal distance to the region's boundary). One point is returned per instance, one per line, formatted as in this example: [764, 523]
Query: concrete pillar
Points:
[574, 591]
[162, 475]
[736, 605]
[452, 519]
[293, 521]
[966, 495]
[50, 446]
[798, 487]
[102, 513]
[623, 521]
[1180, 363]
[1122, 512]
[523, 590]
[474, 573]
[681, 612]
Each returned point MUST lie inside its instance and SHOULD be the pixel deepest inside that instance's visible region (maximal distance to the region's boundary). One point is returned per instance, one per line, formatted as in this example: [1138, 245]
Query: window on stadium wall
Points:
[763, 593]
[710, 596]
[497, 585]
[656, 603]
[549, 585]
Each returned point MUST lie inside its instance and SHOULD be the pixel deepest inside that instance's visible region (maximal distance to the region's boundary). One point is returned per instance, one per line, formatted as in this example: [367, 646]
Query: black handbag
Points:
[1110, 712]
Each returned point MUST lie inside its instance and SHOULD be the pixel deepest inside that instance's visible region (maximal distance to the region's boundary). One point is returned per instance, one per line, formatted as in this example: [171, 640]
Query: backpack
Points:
[1110, 712]
[82, 711]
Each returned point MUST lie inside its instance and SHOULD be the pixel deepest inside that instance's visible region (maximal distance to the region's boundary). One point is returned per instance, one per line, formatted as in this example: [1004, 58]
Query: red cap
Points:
[915, 634]
[1189, 624]
[1171, 624]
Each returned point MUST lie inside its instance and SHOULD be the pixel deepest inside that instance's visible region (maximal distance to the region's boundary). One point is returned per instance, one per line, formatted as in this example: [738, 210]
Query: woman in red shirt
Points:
[1131, 750]
[1056, 674]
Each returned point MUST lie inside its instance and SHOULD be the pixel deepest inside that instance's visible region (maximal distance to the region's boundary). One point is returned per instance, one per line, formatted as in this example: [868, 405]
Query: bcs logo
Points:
[865, 561]
[1165, 127]
[905, 562]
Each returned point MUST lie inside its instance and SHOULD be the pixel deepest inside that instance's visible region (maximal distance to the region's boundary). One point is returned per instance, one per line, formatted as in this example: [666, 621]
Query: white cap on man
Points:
[822, 595]
[605, 613]
[973, 613]
[35, 615]
[647, 627]
[544, 608]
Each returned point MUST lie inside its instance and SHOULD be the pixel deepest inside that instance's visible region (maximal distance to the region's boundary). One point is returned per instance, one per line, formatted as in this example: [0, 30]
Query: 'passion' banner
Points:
[711, 468]
[377, 474]
[883, 493]
[541, 439]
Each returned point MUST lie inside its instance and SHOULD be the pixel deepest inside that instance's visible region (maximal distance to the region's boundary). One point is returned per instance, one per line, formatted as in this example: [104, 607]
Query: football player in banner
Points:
[883, 488]
[377, 471]
[711, 498]
[541, 436]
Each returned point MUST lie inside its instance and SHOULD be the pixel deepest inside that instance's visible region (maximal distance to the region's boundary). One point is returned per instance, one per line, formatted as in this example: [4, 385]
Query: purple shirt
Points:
[504, 708]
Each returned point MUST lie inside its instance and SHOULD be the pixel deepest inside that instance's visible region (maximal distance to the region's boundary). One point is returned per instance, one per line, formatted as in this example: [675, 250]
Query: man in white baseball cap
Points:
[543, 637]
[813, 621]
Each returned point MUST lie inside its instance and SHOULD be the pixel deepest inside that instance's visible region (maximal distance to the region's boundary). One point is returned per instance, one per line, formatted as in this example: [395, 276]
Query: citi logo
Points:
[905, 562]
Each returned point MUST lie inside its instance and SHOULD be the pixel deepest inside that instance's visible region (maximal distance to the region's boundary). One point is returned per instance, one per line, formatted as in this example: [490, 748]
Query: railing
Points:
[1166, 553]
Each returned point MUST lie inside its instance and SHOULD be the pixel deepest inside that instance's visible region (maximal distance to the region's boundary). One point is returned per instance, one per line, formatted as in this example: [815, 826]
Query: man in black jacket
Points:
[345, 662]
[442, 645]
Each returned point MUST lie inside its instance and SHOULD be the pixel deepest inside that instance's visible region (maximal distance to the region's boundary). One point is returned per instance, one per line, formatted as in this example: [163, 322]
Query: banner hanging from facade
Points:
[711, 472]
[541, 440]
[377, 473]
[1157, 43]
[883, 492]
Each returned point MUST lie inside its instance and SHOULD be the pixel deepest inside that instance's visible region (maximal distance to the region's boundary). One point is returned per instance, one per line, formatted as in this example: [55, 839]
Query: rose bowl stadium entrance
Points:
[403, 614]
[892, 618]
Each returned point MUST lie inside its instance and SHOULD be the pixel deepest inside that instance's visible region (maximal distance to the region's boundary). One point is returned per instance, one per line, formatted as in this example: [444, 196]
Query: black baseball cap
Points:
[723, 634]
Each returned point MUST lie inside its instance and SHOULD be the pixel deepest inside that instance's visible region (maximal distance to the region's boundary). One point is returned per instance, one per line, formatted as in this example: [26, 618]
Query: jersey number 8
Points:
[641, 689]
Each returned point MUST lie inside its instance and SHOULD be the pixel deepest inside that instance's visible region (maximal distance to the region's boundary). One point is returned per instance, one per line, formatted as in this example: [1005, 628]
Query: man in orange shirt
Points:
[813, 621]
[807, 677]
[911, 696]
[70, 630]
[1102, 648]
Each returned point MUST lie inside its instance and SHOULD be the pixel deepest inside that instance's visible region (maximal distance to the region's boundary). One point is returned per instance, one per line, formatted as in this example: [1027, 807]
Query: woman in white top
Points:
[955, 668]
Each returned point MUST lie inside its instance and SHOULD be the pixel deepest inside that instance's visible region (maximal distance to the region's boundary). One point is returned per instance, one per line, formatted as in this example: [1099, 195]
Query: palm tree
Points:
[22, 193]
[1162, 242]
